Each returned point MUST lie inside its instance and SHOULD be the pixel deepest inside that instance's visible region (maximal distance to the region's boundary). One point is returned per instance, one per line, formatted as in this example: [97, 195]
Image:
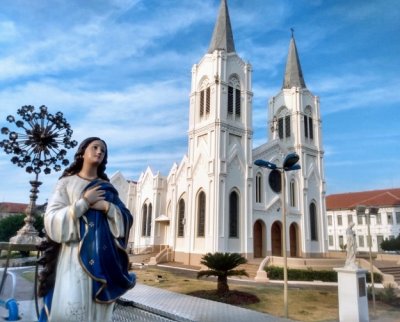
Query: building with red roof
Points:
[341, 211]
[11, 208]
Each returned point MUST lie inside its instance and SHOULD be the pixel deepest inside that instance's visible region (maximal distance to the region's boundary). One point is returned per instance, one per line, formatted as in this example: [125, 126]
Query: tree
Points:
[222, 265]
[10, 225]
[391, 244]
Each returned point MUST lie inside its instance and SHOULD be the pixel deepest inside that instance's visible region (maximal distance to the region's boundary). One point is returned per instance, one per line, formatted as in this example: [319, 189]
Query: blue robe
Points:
[103, 256]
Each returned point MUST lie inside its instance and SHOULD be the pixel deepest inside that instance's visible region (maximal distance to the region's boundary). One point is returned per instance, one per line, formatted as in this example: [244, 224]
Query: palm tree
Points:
[222, 265]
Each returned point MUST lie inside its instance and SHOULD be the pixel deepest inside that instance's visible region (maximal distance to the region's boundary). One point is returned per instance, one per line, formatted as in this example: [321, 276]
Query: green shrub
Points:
[10, 225]
[391, 244]
[387, 295]
[276, 273]
[378, 278]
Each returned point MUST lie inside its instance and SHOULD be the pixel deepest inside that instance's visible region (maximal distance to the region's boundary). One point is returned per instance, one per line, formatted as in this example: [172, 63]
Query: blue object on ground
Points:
[12, 307]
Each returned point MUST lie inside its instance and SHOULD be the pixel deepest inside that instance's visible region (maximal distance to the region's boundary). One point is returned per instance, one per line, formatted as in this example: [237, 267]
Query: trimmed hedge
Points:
[276, 273]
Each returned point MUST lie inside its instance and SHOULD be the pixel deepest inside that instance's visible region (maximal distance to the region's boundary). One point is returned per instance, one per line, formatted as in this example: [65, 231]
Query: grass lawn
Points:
[305, 303]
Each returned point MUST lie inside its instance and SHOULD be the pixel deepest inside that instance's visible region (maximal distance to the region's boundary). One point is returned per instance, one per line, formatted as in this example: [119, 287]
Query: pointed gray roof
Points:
[222, 37]
[293, 73]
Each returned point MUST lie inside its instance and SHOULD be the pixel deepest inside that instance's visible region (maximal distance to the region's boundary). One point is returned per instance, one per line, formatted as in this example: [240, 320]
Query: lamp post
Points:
[361, 211]
[40, 142]
[289, 164]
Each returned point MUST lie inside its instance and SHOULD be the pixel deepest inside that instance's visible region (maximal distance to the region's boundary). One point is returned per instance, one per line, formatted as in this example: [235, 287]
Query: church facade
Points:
[216, 199]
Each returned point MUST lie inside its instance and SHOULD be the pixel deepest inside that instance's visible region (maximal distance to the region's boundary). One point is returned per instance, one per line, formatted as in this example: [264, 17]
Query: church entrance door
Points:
[294, 240]
[276, 239]
[259, 239]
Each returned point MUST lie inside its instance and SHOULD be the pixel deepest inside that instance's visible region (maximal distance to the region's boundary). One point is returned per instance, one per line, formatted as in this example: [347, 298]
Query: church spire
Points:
[222, 37]
[293, 73]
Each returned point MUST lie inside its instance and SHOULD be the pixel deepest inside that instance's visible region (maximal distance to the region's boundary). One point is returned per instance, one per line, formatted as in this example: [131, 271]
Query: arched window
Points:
[313, 222]
[308, 123]
[205, 97]
[234, 107]
[233, 214]
[284, 128]
[292, 193]
[149, 217]
[144, 219]
[181, 218]
[259, 187]
[201, 214]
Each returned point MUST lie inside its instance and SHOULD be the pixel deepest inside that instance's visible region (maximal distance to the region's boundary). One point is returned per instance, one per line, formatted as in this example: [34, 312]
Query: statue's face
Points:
[94, 153]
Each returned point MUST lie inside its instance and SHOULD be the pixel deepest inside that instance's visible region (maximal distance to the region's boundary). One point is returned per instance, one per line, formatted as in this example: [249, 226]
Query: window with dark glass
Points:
[234, 106]
[144, 219]
[349, 219]
[205, 101]
[181, 218]
[258, 187]
[149, 217]
[313, 222]
[361, 241]
[311, 128]
[201, 103]
[284, 127]
[280, 127]
[292, 194]
[287, 126]
[230, 100]
[201, 213]
[389, 218]
[237, 102]
[330, 238]
[306, 126]
[208, 102]
[233, 214]
[341, 241]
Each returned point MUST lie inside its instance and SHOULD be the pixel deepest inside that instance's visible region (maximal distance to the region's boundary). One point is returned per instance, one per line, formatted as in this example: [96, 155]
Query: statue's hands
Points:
[101, 205]
[94, 195]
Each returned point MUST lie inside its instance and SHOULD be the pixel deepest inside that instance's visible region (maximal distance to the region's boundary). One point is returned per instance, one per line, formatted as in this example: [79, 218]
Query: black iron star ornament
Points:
[40, 141]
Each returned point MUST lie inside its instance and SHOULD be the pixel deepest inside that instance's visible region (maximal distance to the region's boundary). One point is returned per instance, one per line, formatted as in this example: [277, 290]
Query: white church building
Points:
[216, 199]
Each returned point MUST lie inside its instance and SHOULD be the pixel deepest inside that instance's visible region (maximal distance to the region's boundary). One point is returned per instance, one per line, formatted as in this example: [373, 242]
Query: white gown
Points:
[72, 299]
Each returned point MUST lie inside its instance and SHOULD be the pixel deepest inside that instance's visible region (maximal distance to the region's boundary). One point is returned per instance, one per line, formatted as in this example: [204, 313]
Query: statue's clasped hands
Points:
[95, 198]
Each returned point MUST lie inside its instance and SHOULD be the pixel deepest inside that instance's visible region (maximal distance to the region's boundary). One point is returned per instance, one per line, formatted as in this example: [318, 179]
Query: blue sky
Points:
[121, 70]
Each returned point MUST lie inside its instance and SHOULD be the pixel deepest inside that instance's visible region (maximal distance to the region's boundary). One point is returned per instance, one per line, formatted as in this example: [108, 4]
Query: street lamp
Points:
[38, 144]
[372, 211]
[289, 164]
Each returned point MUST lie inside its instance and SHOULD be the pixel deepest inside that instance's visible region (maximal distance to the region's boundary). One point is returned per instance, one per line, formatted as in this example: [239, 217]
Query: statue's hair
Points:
[77, 164]
[47, 276]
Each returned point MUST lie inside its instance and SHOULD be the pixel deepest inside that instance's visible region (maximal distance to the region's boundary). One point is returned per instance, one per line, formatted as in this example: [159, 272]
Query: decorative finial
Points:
[292, 30]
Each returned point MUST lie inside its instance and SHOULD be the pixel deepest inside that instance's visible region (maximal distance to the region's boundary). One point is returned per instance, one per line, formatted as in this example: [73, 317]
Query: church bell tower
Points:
[220, 143]
[295, 122]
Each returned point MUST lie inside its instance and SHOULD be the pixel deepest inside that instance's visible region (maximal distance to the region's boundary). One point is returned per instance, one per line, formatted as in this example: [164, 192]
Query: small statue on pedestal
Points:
[351, 247]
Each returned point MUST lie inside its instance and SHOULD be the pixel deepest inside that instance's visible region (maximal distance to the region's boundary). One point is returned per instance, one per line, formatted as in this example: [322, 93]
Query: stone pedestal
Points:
[352, 292]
